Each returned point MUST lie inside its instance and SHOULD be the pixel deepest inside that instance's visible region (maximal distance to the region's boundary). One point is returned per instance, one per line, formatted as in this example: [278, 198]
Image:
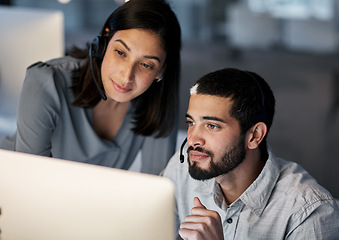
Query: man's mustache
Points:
[199, 149]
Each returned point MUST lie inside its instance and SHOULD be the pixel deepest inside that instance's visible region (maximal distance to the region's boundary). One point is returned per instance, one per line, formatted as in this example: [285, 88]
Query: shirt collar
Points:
[205, 187]
[210, 188]
[257, 194]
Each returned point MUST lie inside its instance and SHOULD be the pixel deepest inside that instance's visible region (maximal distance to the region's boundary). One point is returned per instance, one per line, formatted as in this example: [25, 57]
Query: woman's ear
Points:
[256, 135]
[159, 76]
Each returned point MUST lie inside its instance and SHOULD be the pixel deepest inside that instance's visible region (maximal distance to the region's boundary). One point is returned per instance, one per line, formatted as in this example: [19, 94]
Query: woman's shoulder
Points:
[58, 71]
[51, 78]
[66, 64]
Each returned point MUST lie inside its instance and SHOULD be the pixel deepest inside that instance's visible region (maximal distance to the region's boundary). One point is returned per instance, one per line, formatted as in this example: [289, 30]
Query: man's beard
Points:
[230, 160]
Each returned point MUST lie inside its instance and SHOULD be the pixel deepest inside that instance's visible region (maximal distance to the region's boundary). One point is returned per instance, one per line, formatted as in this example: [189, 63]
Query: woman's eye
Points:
[146, 66]
[120, 52]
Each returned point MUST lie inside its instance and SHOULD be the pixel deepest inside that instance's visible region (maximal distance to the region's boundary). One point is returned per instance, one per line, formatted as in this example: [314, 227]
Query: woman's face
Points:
[134, 58]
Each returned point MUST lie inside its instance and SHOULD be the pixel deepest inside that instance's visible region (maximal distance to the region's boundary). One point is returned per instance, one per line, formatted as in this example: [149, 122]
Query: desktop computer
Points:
[46, 198]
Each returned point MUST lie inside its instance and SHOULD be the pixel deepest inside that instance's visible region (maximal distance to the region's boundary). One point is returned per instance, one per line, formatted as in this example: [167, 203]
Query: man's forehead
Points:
[209, 104]
[210, 98]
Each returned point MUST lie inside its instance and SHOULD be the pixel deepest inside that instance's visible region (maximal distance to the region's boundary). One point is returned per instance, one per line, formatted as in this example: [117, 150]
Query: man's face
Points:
[215, 145]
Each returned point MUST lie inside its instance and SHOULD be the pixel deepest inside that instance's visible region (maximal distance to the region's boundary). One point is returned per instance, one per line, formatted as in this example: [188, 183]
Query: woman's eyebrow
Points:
[128, 49]
[153, 57]
[123, 43]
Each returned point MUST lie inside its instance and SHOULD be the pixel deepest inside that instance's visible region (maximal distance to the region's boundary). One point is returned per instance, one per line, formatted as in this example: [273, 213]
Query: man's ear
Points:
[256, 134]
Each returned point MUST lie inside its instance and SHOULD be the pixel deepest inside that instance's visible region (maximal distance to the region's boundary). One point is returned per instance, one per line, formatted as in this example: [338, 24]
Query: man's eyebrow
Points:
[188, 116]
[128, 49]
[213, 119]
[208, 118]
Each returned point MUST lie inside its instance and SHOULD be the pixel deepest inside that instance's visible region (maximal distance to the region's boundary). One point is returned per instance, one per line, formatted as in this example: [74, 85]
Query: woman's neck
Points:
[108, 117]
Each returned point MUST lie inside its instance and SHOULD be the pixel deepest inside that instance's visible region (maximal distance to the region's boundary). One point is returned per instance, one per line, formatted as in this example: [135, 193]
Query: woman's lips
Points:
[120, 88]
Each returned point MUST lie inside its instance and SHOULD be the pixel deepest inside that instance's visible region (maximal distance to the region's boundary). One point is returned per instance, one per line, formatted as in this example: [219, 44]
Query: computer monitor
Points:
[45, 198]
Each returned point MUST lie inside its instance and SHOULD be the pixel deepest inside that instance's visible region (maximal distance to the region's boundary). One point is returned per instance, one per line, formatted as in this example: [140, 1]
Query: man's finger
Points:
[197, 203]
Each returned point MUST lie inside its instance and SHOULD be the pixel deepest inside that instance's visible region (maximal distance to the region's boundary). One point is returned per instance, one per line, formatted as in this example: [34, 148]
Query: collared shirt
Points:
[284, 202]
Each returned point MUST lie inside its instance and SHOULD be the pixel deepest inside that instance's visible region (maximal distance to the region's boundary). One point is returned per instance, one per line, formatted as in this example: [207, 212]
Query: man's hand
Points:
[201, 224]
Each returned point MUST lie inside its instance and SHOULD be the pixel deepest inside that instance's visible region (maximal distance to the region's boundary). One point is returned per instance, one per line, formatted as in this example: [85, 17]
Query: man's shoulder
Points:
[299, 188]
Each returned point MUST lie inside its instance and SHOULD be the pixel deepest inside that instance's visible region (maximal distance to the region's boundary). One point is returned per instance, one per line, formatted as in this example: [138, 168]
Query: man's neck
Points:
[235, 182]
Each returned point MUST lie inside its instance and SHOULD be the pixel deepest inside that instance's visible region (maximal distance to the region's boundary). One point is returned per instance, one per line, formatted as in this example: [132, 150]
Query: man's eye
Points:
[189, 123]
[212, 126]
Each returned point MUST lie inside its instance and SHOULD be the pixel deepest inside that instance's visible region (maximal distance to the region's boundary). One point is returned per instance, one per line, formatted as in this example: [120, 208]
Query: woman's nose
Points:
[128, 73]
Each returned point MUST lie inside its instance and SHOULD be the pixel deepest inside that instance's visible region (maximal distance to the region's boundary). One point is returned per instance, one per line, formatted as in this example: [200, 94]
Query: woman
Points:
[104, 104]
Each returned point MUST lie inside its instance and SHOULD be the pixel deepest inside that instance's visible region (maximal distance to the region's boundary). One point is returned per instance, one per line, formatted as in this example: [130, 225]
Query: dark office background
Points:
[293, 44]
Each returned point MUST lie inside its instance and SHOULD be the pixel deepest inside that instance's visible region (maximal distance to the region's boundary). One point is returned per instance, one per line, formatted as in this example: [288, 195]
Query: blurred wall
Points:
[248, 29]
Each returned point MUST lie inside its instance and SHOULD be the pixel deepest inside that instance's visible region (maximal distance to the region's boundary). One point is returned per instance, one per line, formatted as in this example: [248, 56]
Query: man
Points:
[233, 187]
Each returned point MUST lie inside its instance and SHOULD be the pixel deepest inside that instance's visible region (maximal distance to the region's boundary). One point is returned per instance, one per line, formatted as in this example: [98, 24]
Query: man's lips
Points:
[120, 88]
[196, 155]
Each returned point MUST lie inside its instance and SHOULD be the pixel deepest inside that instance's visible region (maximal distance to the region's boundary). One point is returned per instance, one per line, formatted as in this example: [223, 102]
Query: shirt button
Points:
[229, 220]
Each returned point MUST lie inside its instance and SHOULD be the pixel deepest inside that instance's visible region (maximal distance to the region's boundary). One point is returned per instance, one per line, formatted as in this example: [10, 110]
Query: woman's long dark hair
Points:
[156, 109]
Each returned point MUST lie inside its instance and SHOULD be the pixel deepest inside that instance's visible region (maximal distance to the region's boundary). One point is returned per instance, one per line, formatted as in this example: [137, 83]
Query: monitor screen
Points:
[44, 198]
[28, 35]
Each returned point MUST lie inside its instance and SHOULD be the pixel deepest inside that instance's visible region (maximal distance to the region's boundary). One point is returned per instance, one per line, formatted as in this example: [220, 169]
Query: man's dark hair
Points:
[253, 99]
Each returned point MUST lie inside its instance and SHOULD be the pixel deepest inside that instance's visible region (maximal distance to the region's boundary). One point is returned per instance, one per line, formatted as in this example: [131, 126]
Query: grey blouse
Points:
[48, 125]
